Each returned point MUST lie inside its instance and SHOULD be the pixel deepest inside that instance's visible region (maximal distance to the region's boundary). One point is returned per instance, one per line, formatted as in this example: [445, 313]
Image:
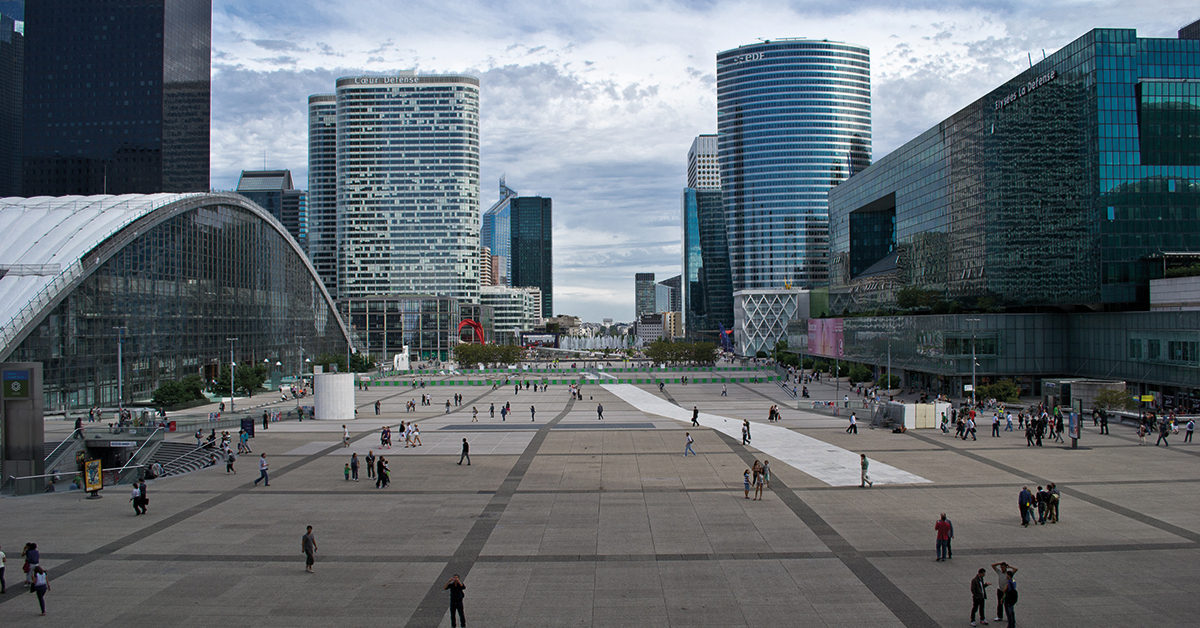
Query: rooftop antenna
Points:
[1043, 54]
[264, 159]
[1030, 54]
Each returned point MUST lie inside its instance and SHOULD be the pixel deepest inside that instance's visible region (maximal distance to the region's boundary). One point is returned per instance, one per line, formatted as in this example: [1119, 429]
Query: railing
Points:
[149, 439]
[66, 441]
[190, 452]
[787, 388]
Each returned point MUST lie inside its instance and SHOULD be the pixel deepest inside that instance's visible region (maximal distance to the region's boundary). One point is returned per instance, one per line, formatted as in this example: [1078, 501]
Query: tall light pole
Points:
[231, 367]
[120, 367]
[973, 362]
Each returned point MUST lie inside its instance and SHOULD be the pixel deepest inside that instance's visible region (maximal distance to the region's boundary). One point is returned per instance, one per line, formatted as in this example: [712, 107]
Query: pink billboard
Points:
[825, 337]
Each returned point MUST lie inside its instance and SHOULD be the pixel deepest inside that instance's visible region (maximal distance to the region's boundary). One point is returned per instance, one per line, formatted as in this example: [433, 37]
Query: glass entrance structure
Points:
[170, 276]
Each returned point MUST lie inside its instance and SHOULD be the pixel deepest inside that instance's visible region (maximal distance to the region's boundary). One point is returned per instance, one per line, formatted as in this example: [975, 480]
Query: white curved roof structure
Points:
[44, 241]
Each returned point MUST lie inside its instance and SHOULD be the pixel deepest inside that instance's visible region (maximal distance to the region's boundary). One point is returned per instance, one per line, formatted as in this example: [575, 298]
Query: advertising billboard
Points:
[825, 337]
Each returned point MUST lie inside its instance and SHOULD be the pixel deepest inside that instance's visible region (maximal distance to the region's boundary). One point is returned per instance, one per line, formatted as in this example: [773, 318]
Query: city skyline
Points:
[595, 108]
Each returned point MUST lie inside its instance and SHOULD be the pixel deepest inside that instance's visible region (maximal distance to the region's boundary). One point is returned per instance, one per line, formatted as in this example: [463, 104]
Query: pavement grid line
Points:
[433, 606]
[1092, 499]
[895, 600]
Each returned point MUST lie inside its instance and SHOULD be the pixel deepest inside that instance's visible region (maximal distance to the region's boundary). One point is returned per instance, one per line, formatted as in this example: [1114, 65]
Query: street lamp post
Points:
[232, 366]
[120, 367]
[973, 362]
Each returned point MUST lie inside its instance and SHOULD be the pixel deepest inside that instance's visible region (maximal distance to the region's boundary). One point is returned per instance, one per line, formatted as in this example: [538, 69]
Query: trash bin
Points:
[170, 426]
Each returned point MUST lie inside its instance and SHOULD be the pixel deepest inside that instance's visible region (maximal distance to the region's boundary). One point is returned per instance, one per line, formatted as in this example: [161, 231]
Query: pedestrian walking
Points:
[377, 408]
[262, 471]
[745, 434]
[532, 414]
[996, 425]
[474, 414]
[345, 436]
[724, 391]
[758, 487]
[143, 496]
[1164, 430]
[41, 584]
[979, 596]
[229, 460]
[135, 497]
[853, 427]
[370, 460]
[416, 435]
[492, 410]
[1187, 433]
[687, 448]
[865, 480]
[32, 557]
[3, 564]
[308, 546]
[457, 593]
[1025, 504]
[746, 483]
[466, 453]
[383, 473]
[354, 466]
[766, 473]
[599, 412]
[942, 528]
[695, 416]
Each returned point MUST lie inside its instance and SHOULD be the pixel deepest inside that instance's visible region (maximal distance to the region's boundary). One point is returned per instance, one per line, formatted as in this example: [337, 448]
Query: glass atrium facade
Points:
[386, 325]
[116, 96]
[1058, 189]
[408, 186]
[793, 120]
[181, 277]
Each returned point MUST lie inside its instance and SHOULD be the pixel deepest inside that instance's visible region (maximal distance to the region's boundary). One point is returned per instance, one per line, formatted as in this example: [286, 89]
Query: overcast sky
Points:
[596, 103]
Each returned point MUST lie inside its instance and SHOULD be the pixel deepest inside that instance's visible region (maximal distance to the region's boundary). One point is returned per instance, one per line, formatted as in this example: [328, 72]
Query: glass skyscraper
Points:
[116, 96]
[408, 185]
[518, 230]
[273, 191]
[12, 65]
[793, 120]
[322, 188]
[707, 291]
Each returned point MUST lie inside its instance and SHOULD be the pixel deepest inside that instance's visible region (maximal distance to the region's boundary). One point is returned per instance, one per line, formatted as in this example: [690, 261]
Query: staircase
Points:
[179, 458]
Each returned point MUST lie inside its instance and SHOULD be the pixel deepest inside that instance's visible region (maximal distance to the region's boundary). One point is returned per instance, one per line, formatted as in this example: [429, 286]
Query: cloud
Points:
[596, 104]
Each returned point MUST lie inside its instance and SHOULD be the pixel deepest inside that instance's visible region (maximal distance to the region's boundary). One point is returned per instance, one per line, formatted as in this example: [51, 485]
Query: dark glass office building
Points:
[273, 191]
[12, 63]
[173, 275]
[643, 294]
[707, 291]
[1056, 190]
[1042, 211]
[532, 262]
[116, 96]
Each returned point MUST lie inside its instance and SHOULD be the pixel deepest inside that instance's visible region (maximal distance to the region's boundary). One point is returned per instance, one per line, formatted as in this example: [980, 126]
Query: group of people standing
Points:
[1006, 594]
[758, 475]
[1046, 502]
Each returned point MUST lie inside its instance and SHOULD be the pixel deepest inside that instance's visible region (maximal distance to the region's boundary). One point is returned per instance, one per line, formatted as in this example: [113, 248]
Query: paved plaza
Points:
[569, 520]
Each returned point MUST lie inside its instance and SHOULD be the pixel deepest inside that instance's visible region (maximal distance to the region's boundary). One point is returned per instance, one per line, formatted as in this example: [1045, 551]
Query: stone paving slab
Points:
[556, 525]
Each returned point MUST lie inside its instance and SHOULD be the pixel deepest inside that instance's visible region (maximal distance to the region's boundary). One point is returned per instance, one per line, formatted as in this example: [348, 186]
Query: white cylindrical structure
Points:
[334, 394]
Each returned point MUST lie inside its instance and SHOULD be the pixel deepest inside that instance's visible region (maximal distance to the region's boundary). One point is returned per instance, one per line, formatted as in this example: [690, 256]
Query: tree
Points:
[246, 379]
[174, 393]
[1112, 399]
[1003, 390]
[858, 373]
[360, 362]
[889, 381]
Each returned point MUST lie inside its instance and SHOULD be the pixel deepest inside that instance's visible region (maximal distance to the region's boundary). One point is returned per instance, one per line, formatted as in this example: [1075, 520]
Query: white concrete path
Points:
[828, 463]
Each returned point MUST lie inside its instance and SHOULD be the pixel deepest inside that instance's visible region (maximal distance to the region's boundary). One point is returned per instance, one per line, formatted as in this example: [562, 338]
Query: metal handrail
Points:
[184, 455]
[68, 439]
[139, 449]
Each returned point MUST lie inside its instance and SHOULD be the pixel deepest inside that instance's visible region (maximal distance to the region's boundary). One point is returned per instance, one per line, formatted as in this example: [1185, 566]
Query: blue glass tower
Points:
[793, 120]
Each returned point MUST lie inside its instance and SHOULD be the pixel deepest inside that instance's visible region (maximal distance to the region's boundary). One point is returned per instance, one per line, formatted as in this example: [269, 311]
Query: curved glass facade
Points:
[181, 280]
[793, 120]
[408, 186]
